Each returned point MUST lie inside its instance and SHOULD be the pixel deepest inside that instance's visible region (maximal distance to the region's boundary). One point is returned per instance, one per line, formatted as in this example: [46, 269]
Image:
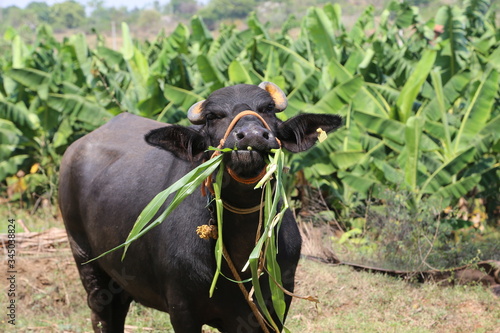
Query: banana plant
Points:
[420, 106]
[426, 142]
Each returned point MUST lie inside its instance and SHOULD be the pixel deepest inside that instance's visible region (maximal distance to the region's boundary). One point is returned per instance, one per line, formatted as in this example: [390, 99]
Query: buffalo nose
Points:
[240, 135]
[255, 137]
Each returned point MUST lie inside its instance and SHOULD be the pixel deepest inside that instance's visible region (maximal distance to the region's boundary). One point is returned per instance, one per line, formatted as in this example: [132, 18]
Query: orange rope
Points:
[233, 123]
[247, 181]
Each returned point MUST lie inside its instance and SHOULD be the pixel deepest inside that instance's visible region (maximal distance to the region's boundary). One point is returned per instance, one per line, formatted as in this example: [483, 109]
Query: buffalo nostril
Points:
[266, 135]
[240, 135]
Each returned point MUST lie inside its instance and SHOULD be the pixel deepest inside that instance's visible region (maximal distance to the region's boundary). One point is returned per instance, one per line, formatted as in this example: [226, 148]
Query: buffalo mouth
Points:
[246, 163]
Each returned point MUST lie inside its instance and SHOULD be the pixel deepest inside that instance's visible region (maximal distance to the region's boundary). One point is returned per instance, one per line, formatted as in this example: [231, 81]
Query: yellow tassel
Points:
[322, 135]
[207, 231]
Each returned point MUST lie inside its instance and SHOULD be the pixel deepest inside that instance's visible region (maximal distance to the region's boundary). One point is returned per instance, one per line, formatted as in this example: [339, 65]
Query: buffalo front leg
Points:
[183, 315]
[184, 321]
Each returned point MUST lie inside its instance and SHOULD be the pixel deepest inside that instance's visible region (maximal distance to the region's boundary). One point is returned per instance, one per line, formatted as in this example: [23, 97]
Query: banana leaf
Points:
[414, 84]
[413, 134]
[478, 111]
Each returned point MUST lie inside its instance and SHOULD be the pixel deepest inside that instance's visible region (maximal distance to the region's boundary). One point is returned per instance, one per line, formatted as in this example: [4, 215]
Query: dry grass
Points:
[50, 299]
[362, 302]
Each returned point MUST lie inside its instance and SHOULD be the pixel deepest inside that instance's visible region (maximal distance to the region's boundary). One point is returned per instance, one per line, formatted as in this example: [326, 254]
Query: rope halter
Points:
[252, 180]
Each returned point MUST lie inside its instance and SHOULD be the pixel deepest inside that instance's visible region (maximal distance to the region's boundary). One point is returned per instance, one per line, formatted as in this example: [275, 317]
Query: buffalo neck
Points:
[240, 229]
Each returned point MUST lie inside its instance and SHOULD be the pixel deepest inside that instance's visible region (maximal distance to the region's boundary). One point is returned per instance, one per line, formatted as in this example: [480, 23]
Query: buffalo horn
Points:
[276, 93]
[195, 115]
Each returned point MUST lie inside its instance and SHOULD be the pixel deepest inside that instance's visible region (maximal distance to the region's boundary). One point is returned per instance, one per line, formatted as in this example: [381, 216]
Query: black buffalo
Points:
[108, 177]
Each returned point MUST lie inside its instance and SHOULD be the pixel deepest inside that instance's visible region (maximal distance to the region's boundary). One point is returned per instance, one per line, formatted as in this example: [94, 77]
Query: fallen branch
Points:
[486, 273]
[46, 241]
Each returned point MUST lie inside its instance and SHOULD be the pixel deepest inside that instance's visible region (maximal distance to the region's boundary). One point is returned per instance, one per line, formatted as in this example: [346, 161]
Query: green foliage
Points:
[421, 105]
[218, 10]
[403, 127]
[69, 14]
[148, 18]
[385, 233]
[41, 10]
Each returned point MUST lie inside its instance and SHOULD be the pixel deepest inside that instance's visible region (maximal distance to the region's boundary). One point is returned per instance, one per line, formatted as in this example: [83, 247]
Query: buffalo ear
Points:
[183, 142]
[301, 132]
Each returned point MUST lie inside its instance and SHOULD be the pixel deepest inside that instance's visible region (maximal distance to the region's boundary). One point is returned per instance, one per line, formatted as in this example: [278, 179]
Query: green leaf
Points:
[273, 68]
[393, 175]
[442, 176]
[365, 99]
[339, 96]
[293, 54]
[17, 52]
[413, 85]
[390, 95]
[179, 39]
[345, 159]
[274, 271]
[388, 128]
[181, 97]
[478, 110]
[440, 101]
[210, 74]
[136, 62]
[230, 50]
[11, 165]
[79, 108]
[407, 15]
[454, 190]
[256, 27]
[139, 70]
[357, 182]
[452, 90]
[363, 24]
[334, 13]
[128, 45]
[321, 31]
[79, 44]
[454, 38]
[413, 133]
[112, 57]
[63, 134]
[494, 59]
[491, 128]
[19, 115]
[201, 34]
[10, 137]
[272, 220]
[220, 239]
[238, 73]
[33, 79]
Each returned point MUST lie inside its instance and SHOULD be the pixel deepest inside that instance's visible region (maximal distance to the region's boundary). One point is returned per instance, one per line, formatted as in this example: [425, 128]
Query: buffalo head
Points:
[252, 136]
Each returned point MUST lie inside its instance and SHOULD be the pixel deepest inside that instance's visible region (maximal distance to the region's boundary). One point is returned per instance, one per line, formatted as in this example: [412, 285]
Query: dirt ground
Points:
[50, 298]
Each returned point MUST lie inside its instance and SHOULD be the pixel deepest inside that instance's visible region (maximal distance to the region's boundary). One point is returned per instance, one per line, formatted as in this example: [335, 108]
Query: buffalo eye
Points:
[270, 107]
[213, 116]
